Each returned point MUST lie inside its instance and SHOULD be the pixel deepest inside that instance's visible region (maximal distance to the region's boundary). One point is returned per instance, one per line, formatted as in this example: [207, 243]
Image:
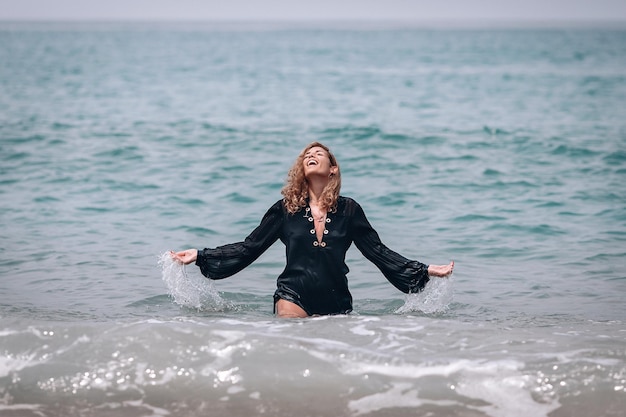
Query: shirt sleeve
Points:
[225, 261]
[407, 275]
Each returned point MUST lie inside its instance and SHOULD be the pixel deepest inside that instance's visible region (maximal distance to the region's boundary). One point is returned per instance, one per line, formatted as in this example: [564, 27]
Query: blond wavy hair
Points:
[296, 190]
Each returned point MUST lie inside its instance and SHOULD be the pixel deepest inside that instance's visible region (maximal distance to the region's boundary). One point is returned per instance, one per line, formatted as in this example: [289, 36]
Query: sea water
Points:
[501, 149]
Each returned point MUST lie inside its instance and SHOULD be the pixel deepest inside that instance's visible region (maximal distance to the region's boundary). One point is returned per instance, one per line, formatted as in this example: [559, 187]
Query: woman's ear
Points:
[333, 171]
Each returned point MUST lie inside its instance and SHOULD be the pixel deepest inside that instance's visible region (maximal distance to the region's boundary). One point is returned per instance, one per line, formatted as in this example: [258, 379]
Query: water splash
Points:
[189, 290]
[435, 298]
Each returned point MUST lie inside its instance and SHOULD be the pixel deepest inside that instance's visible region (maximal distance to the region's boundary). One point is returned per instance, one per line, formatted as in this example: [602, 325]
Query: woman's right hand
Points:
[185, 257]
[441, 270]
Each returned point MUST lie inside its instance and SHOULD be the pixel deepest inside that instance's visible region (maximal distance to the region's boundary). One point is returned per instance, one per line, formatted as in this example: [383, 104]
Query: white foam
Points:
[508, 394]
[21, 407]
[189, 290]
[399, 395]
[362, 331]
[138, 404]
[402, 370]
[501, 386]
[11, 363]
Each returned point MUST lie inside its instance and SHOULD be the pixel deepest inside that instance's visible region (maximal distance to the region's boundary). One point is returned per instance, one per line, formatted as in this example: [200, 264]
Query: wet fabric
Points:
[315, 275]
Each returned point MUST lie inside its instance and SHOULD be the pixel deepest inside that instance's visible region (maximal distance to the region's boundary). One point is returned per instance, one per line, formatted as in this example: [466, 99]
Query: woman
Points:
[317, 226]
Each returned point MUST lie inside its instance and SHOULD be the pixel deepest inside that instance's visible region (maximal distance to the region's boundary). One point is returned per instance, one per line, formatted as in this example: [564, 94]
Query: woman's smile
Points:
[316, 160]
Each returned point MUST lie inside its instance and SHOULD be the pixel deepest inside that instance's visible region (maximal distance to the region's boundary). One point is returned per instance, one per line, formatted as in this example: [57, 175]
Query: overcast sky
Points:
[416, 10]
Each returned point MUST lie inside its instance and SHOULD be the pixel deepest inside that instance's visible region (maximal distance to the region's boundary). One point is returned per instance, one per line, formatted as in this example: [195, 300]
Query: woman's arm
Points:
[227, 260]
[405, 274]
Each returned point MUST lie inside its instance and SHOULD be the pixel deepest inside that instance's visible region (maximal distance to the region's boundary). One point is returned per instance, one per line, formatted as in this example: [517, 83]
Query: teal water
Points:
[504, 150]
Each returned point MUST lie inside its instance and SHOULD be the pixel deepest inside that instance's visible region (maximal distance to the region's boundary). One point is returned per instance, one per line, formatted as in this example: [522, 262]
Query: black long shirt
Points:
[315, 274]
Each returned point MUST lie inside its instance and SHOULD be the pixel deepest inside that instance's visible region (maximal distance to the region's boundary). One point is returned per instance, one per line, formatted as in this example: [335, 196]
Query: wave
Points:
[361, 365]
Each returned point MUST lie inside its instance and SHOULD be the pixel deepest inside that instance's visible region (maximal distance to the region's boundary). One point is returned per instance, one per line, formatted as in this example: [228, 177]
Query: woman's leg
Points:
[287, 309]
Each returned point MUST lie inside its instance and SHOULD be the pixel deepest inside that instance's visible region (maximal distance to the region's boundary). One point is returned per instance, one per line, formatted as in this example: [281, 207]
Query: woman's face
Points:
[316, 161]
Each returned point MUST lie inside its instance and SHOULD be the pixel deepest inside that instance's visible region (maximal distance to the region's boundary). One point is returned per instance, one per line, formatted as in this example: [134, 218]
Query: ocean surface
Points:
[501, 149]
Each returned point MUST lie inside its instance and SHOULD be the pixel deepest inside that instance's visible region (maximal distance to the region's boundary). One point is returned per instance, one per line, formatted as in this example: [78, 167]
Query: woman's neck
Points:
[316, 188]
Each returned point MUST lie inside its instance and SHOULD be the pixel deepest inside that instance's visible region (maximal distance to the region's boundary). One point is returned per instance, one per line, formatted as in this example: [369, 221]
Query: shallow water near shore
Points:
[504, 150]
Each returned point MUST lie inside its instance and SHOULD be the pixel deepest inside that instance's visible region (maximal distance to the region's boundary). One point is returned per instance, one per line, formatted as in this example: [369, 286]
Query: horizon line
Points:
[452, 22]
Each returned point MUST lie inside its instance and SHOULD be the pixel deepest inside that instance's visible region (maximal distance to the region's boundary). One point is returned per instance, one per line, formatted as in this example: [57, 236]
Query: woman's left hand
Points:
[441, 270]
